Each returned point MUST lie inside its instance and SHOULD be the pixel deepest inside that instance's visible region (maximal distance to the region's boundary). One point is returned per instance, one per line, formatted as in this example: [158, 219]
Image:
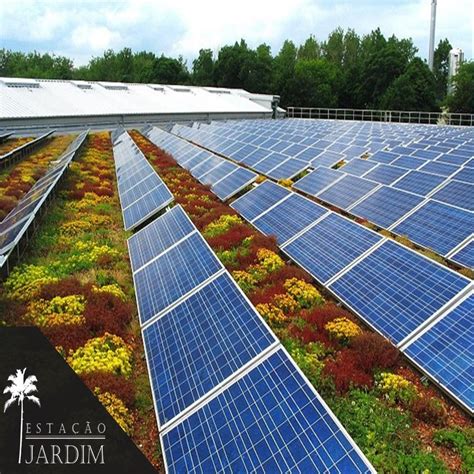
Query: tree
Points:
[260, 71]
[233, 65]
[461, 100]
[317, 81]
[413, 90]
[441, 67]
[170, 71]
[310, 49]
[20, 389]
[203, 68]
[283, 75]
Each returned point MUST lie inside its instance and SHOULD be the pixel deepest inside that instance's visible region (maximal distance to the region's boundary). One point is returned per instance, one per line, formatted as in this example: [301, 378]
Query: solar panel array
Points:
[421, 163]
[24, 149]
[17, 223]
[142, 192]
[225, 178]
[393, 289]
[227, 396]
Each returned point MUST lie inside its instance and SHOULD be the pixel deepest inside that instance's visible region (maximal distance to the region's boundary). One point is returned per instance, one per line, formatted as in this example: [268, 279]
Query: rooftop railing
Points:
[397, 116]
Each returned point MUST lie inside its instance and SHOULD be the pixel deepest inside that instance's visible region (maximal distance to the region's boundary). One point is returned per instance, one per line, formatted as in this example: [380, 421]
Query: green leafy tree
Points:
[260, 70]
[203, 68]
[413, 90]
[170, 71]
[461, 100]
[233, 65]
[311, 49]
[441, 67]
[317, 81]
[284, 82]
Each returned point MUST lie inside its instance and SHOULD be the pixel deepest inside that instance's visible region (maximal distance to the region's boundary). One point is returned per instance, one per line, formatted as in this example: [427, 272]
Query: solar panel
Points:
[386, 206]
[156, 237]
[133, 193]
[268, 163]
[270, 420]
[385, 174]
[426, 154]
[436, 167]
[329, 246]
[347, 191]
[458, 194]
[202, 168]
[437, 226]
[327, 159]
[259, 199]
[384, 157]
[289, 217]
[200, 343]
[465, 174]
[453, 159]
[173, 274]
[419, 183]
[409, 162]
[197, 159]
[465, 255]
[288, 169]
[219, 172]
[358, 167]
[314, 182]
[395, 289]
[233, 183]
[253, 158]
[445, 351]
[147, 205]
[309, 154]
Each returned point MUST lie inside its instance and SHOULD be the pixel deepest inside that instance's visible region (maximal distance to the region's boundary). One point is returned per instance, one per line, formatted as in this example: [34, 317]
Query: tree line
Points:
[346, 70]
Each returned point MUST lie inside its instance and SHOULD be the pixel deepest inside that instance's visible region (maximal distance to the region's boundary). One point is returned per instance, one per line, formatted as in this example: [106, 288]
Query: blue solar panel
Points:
[314, 182]
[465, 255]
[329, 246]
[288, 169]
[436, 167]
[386, 206]
[426, 154]
[409, 162]
[384, 156]
[259, 199]
[197, 159]
[465, 174]
[200, 343]
[293, 149]
[173, 274]
[201, 169]
[419, 183]
[458, 194]
[358, 167]
[268, 163]
[270, 420]
[232, 184]
[160, 234]
[347, 191]
[253, 158]
[289, 217]
[437, 226]
[446, 352]
[218, 172]
[149, 204]
[395, 289]
[327, 158]
[132, 194]
[309, 154]
[385, 174]
[453, 159]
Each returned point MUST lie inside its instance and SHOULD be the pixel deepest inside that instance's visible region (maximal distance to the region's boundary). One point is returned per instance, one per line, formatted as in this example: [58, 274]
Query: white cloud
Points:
[94, 38]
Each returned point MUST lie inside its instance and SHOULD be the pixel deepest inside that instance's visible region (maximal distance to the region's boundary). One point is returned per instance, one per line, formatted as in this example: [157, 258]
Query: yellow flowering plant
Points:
[342, 329]
[116, 408]
[271, 313]
[269, 260]
[108, 353]
[304, 293]
[396, 388]
[57, 311]
[221, 225]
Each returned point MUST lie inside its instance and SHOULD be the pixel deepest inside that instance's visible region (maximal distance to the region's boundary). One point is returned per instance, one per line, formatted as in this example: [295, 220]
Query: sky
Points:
[84, 29]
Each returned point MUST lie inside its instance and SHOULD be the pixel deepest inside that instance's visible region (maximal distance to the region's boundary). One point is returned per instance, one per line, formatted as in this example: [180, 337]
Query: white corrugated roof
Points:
[27, 98]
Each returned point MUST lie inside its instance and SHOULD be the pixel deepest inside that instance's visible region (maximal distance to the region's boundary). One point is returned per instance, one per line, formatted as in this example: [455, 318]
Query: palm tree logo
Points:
[19, 389]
